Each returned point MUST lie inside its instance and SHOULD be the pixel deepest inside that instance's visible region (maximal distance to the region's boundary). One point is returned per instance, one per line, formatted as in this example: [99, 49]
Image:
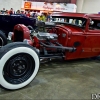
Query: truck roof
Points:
[81, 15]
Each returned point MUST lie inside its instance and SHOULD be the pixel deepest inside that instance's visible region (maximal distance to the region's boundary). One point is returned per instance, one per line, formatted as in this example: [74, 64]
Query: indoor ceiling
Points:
[57, 1]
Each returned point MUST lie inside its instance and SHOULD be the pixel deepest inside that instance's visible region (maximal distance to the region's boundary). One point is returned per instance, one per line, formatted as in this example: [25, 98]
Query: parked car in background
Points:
[7, 22]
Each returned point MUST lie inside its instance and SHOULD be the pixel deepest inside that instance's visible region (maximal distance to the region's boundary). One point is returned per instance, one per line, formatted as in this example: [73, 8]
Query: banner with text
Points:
[49, 6]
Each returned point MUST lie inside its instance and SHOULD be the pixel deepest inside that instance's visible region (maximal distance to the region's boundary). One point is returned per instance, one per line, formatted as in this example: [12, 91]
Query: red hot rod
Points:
[68, 36]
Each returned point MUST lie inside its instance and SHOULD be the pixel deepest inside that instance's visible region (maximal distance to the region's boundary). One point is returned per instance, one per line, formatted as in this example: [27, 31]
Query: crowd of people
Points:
[40, 16]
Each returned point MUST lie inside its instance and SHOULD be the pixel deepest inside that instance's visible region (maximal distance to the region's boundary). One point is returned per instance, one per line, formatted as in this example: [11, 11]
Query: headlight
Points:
[10, 35]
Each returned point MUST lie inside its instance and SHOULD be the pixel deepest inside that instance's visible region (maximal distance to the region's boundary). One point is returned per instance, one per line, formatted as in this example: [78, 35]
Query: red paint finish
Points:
[36, 42]
[30, 42]
[21, 31]
[73, 1]
[78, 15]
[89, 39]
[70, 35]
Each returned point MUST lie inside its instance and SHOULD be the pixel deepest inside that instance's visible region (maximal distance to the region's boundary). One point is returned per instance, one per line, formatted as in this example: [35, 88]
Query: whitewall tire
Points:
[19, 64]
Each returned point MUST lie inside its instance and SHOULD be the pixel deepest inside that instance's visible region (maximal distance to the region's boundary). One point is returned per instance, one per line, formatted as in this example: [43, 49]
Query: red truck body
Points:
[70, 36]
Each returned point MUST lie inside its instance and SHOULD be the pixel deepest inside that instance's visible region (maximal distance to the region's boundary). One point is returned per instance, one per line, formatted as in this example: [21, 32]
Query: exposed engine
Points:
[45, 36]
[46, 43]
[45, 39]
[42, 35]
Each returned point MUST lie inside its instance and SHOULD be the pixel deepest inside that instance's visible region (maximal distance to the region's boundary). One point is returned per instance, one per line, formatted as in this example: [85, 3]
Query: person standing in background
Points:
[3, 11]
[18, 12]
[28, 14]
[48, 17]
[7, 12]
[11, 11]
[41, 17]
[23, 13]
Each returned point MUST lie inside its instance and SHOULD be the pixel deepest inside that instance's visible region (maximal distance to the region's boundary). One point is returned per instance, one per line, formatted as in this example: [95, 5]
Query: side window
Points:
[94, 24]
[98, 25]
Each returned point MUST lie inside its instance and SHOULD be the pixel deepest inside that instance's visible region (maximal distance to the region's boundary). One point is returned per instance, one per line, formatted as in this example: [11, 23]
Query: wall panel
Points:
[7, 4]
[88, 6]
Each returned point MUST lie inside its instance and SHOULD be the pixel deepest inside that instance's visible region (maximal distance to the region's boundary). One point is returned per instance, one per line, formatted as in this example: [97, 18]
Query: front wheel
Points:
[19, 64]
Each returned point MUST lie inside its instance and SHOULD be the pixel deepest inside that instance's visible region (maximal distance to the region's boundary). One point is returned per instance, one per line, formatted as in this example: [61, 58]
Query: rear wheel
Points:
[19, 65]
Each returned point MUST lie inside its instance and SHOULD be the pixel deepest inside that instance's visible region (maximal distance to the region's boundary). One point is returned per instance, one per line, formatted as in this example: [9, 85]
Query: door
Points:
[91, 45]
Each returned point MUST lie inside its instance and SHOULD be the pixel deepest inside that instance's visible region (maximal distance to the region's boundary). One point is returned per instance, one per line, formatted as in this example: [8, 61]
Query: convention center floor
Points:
[59, 80]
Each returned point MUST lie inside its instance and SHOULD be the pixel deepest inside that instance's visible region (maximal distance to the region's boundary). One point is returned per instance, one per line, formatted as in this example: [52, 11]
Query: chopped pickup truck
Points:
[71, 36]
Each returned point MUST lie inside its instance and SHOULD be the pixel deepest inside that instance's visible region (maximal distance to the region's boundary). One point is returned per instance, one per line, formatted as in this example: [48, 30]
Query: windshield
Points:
[80, 22]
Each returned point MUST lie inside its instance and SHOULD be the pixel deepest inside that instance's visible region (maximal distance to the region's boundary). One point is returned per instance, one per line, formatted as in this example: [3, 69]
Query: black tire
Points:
[19, 65]
[3, 39]
[5, 32]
